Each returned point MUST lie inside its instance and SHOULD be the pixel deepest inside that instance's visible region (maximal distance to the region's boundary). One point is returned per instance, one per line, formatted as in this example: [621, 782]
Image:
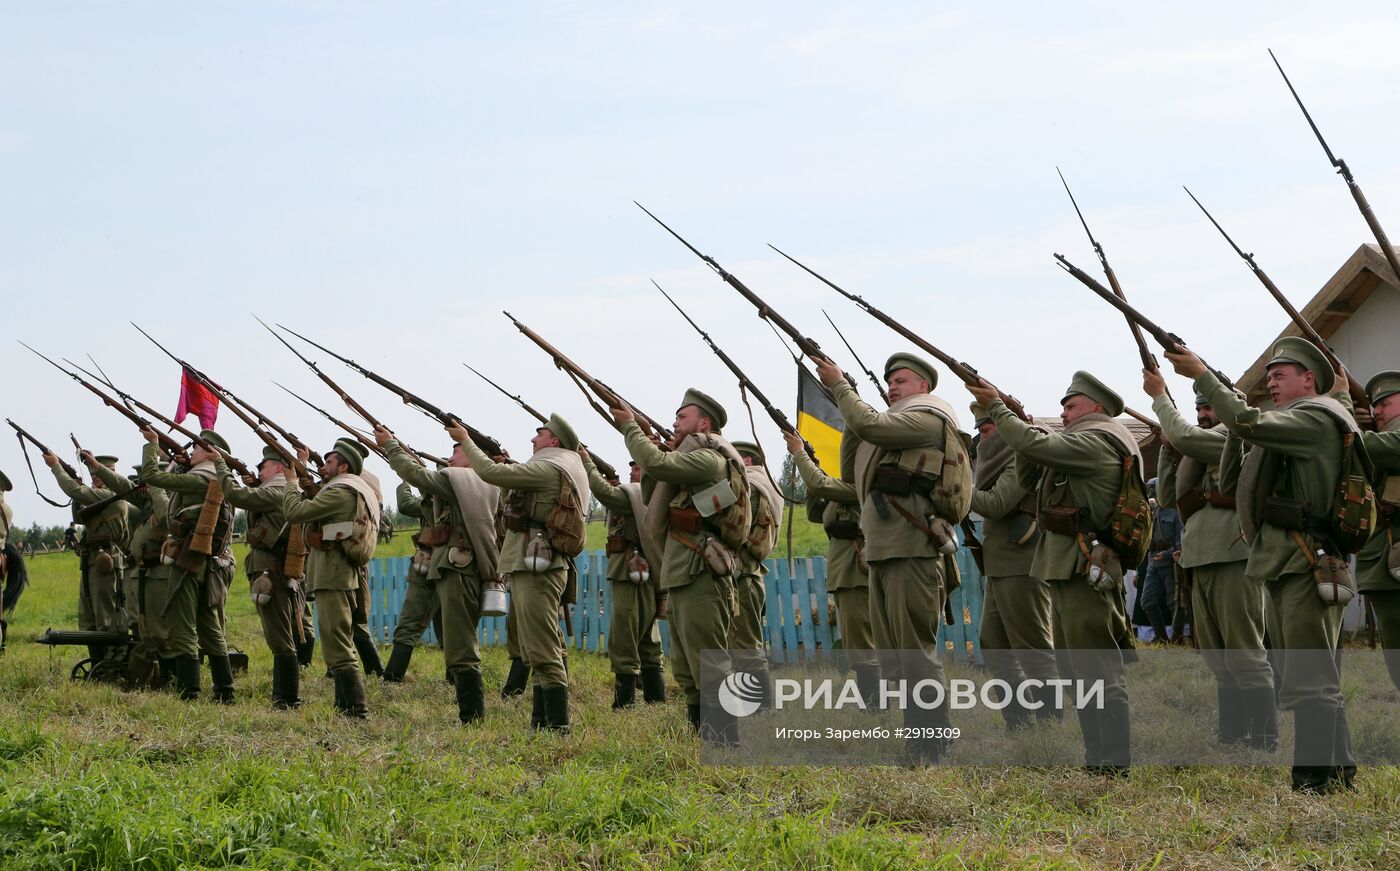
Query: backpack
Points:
[1355, 509]
[565, 526]
[363, 537]
[734, 519]
[1130, 525]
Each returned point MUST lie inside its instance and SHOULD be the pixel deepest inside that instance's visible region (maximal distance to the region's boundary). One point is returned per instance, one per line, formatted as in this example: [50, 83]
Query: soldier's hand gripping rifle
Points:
[1149, 362]
[23, 435]
[605, 468]
[805, 344]
[1359, 398]
[588, 383]
[488, 445]
[1366, 212]
[168, 444]
[745, 383]
[962, 371]
[245, 412]
[1169, 341]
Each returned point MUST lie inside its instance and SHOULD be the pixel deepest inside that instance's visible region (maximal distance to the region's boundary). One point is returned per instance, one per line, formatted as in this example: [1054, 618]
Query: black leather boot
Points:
[306, 651]
[369, 654]
[692, 713]
[517, 679]
[286, 681]
[1115, 733]
[398, 663]
[1232, 717]
[1260, 713]
[187, 677]
[653, 684]
[1343, 772]
[624, 691]
[1314, 741]
[471, 699]
[868, 684]
[556, 709]
[350, 692]
[537, 717]
[221, 679]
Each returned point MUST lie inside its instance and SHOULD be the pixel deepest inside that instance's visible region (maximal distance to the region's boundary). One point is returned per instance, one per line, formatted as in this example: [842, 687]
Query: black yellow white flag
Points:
[819, 421]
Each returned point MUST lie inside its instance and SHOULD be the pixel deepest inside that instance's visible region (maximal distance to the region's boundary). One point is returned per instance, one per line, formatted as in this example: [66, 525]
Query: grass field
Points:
[94, 777]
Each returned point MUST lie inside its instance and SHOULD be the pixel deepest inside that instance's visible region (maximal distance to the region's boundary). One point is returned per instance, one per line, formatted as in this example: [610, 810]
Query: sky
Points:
[387, 178]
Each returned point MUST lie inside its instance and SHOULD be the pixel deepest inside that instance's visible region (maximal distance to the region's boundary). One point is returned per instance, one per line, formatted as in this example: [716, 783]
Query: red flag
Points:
[196, 399]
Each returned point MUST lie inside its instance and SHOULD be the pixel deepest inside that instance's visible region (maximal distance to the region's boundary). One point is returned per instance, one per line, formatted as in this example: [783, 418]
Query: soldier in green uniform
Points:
[699, 562]
[342, 523]
[1378, 564]
[275, 550]
[1228, 604]
[147, 578]
[912, 473]
[1293, 469]
[538, 570]
[463, 557]
[420, 602]
[766, 519]
[1078, 473]
[1016, 634]
[100, 549]
[847, 575]
[199, 526]
[634, 644]
[364, 641]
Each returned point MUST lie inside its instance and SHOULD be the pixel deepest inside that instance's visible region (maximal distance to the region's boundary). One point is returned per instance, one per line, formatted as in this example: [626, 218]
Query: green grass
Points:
[94, 777]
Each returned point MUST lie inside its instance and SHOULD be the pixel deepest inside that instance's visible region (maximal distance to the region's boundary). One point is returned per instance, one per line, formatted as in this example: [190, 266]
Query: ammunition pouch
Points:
[434, 536]
[515, 522]
[97, 542]
[617, 544]
[1291, 514]
[1064, 520]
[897, 481]
[1196, 499]
[843, 530]
[687, 520]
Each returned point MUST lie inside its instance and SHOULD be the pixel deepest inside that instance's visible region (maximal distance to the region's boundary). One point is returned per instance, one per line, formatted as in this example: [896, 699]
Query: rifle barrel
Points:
[962, 371]
[869, 373]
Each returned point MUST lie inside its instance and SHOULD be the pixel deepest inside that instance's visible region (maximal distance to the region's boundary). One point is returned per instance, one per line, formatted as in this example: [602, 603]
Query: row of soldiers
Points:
[689, 532]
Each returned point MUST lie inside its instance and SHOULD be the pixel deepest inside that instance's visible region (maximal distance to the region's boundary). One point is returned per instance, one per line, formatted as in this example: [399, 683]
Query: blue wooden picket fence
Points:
[800, 618]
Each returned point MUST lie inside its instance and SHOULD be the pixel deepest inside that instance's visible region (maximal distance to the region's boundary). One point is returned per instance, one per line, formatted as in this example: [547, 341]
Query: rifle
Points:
[804, 344]
[132, 403]
[1169, 341]
[965, 373]
[869, 373]
[1357, 391]
[238, 405]
[22, 435]
[587, 382]
[1345, 172]
[344, 397]
[169, 444]
[88, 512]
[1141, 418]
[745, 384]
[1149, 362]
[488, 445]
[604, 467]
[360, 435]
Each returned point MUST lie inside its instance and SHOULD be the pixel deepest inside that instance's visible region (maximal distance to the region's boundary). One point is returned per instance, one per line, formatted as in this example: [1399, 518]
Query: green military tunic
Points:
[1016, 631]
[634, 640]
[1310, 444]
[847, 575]
[330, 577]
[1226, 602]
[701, 603]
[100, 604]
[193, 611]
[534, 487]
[1079, 468]
[1373, 575]
[147, 579]
[455, 566]
[420, 602]
[908, 575]
[267, 538]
